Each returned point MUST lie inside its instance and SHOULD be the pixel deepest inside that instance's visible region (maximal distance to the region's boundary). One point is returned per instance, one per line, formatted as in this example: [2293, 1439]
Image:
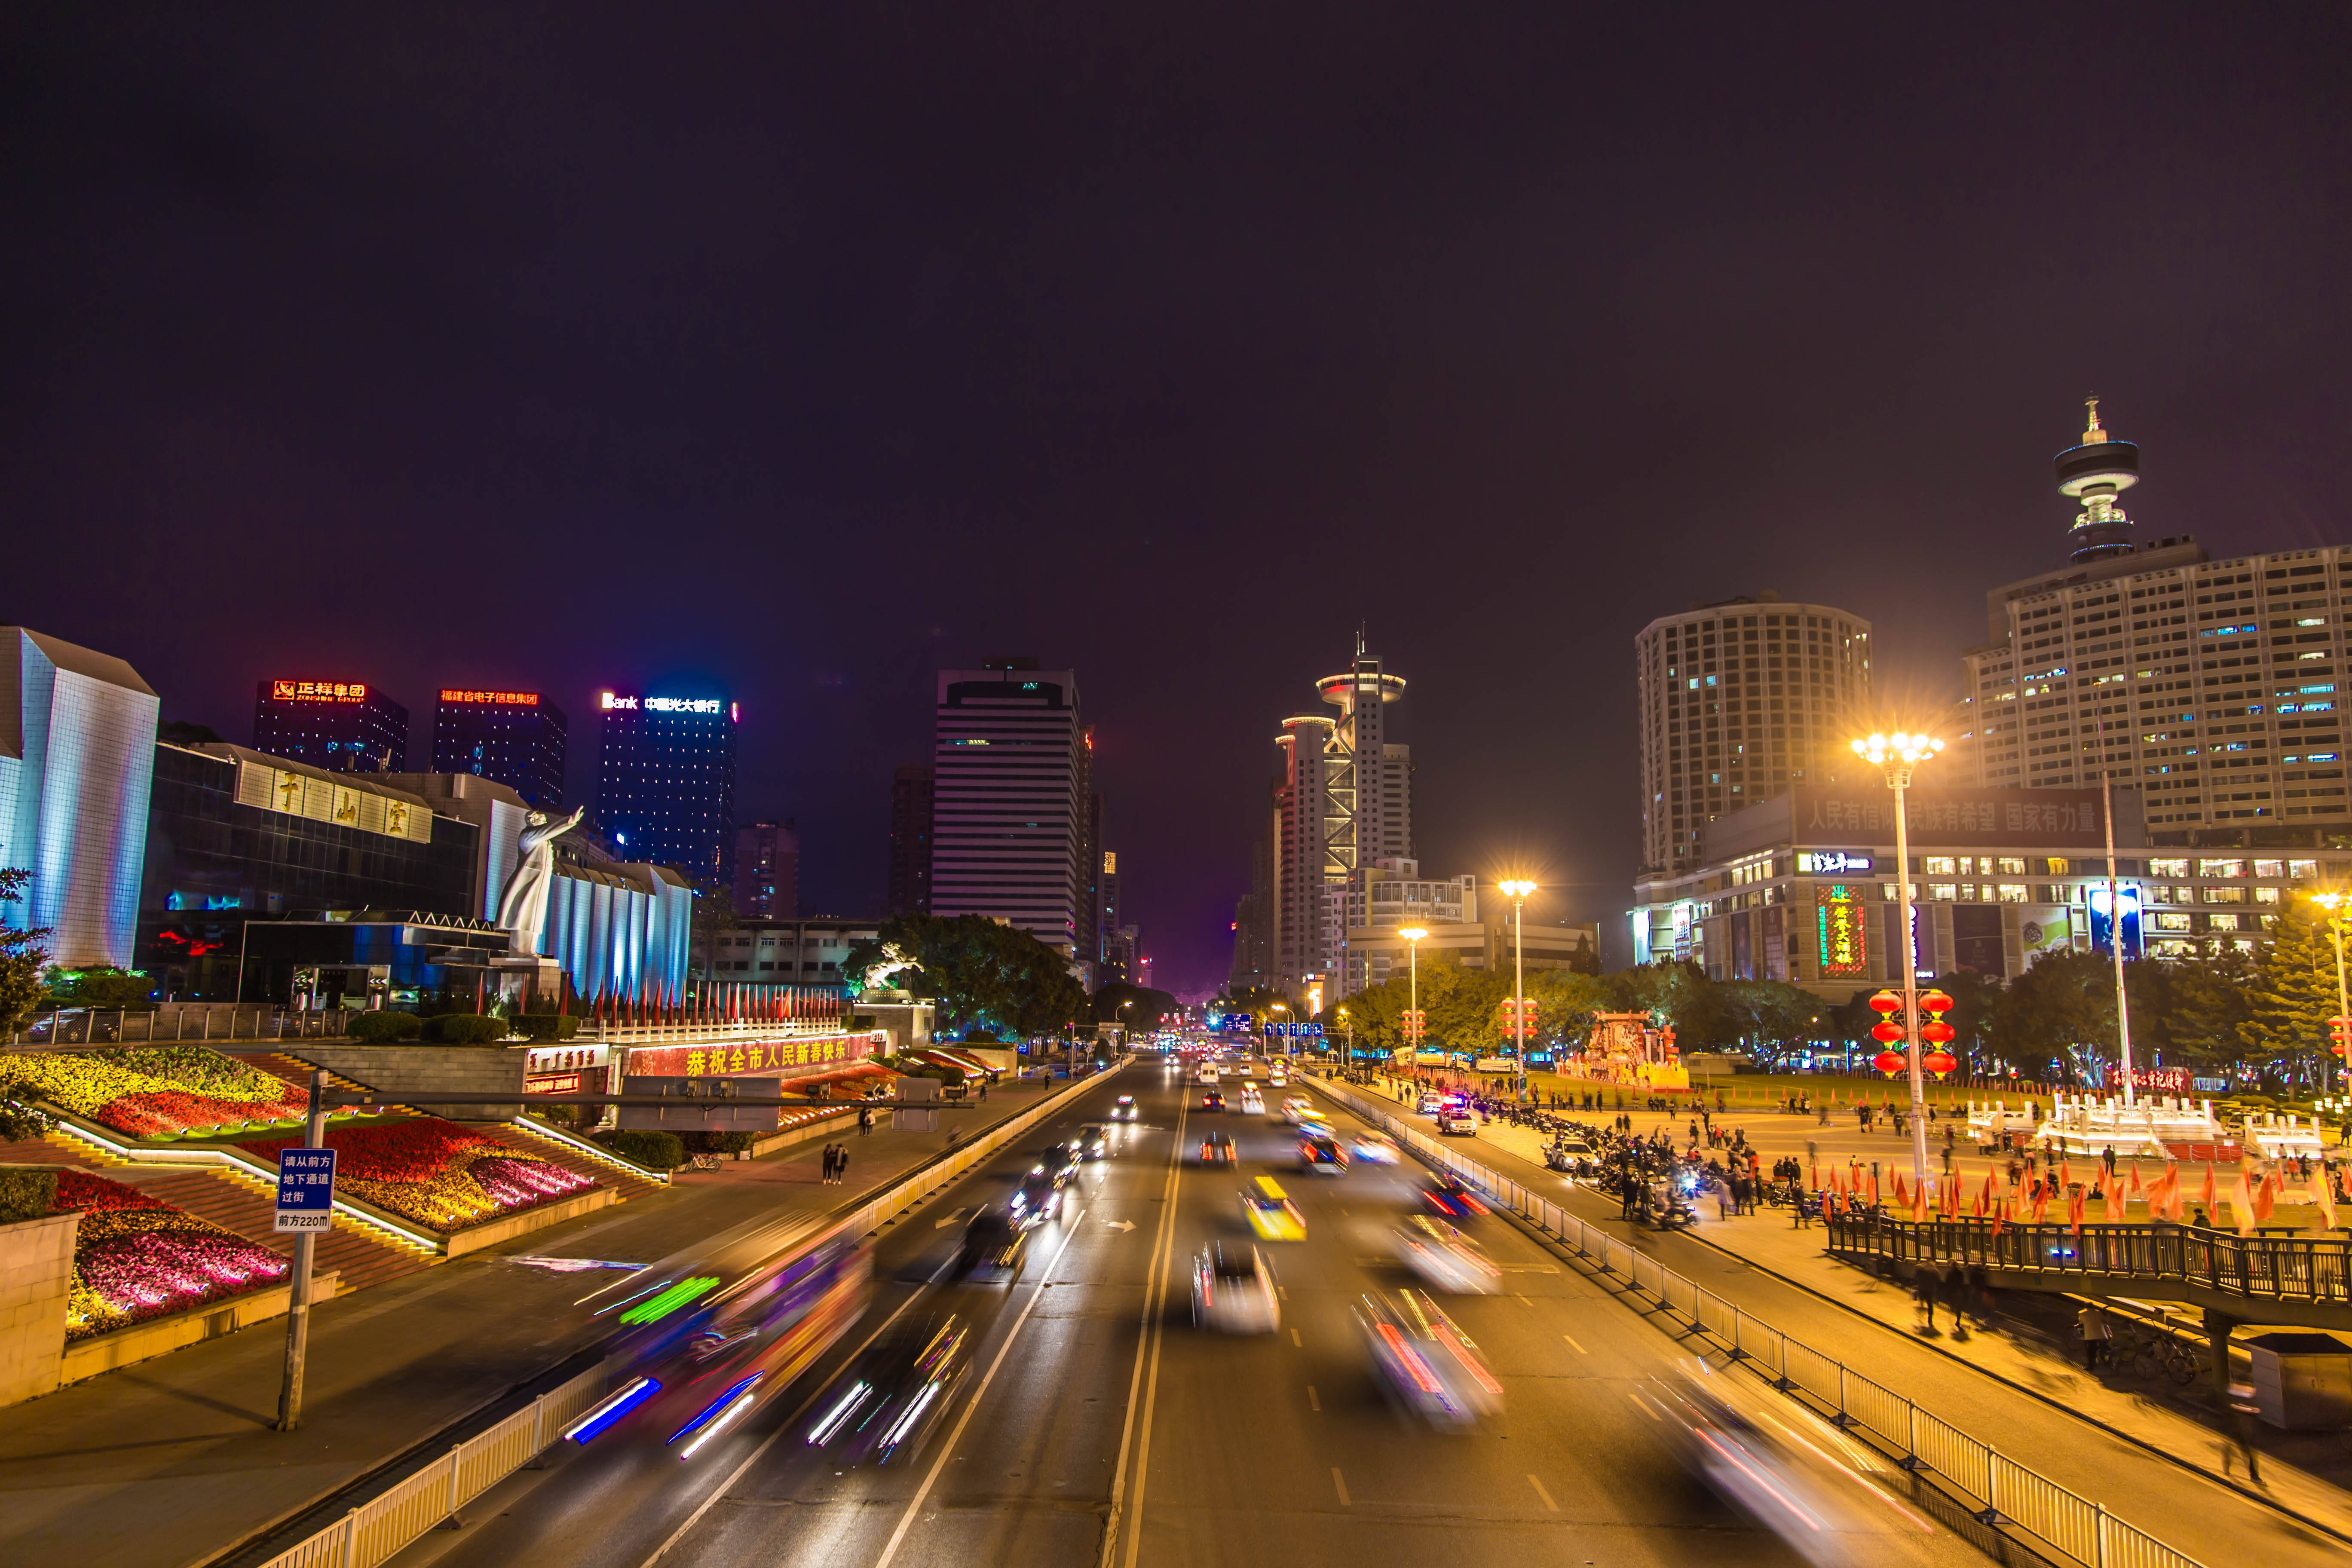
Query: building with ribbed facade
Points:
[1010, 800]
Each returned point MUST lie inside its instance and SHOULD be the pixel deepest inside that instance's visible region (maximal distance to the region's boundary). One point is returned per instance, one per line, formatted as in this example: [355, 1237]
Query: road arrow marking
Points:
[1118, 1225]
[947, 1220]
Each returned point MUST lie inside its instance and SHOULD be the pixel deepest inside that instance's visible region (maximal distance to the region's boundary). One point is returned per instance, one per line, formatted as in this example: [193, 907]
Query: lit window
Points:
[2220, 868]
[1942, 866]
[1943, 892]
[2011, 892]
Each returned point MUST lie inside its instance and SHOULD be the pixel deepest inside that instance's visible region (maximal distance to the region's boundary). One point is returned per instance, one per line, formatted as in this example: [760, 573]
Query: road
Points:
[1094, 1408]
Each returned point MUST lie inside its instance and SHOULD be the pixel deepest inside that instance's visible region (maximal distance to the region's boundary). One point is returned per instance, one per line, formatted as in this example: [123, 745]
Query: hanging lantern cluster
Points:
[1934, 1032]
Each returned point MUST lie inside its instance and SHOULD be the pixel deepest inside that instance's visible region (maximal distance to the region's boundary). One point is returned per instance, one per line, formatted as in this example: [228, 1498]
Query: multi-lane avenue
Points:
[1098, 1425]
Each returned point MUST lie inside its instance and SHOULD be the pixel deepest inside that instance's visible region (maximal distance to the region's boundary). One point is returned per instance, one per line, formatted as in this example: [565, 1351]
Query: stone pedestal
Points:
[527, 981]
[35, 1274]
[907, 1021]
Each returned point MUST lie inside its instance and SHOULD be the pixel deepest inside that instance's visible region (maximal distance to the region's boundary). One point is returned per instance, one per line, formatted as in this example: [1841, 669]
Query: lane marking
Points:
[1523, 1301]
[923, 1492]
[1339, 1484]
[1155, 1286]
[946, 1219]
[1579, 1348]
[1312, 1402]
[1294, 1336]
[1543, 1494]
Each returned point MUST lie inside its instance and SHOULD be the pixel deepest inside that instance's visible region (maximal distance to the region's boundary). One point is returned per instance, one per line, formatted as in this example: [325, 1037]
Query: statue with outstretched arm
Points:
[522, 907]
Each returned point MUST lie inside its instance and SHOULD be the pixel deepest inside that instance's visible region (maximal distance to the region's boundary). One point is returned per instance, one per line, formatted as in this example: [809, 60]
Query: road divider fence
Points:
[434, 1494]
[2012, 1497]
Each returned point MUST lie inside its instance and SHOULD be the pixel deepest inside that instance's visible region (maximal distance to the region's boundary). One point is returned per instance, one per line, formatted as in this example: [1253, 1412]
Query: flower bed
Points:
[160, 1092]
[440, 1175]
[136, 1256]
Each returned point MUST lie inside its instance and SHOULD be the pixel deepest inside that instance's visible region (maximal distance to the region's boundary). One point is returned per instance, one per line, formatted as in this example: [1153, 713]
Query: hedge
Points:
[468, 1029]
[25, 1194]
[544, 1027]
[649, 1147]
[733, 1142]
[384, 1029]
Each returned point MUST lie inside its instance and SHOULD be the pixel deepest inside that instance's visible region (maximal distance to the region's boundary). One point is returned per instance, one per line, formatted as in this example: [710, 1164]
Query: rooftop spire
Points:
[2094, 435]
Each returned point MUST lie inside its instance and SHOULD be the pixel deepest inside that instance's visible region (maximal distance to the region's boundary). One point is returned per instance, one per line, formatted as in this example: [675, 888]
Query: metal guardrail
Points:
[2272, 1269]
[92, 1025]
[2013, 1495]
[379, 1529]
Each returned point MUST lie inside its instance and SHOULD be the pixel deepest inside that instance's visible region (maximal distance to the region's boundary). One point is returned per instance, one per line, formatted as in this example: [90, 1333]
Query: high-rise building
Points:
[343, 726]
[768, 871]
[1010, 802]
[77, 746]
[513, 738]
[1107, 913]
[909, 876]
[666, 782]
[2212, 685]
[1740, 701]
[1343, 800]
[1094, 936]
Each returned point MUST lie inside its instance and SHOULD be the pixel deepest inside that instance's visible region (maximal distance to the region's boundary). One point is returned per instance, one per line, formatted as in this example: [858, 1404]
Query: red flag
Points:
[2208, 1196]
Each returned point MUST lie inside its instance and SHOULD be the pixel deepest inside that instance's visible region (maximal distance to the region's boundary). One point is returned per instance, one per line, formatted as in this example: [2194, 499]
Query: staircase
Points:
[292, 1069]
[248, 1205]
[57, 1149]
[613, 1172]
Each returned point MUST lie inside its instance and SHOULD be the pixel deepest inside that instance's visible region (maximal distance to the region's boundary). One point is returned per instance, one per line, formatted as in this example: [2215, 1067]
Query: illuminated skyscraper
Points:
[513, 738]
[1010, 811]
[666, 782]
[343, 726]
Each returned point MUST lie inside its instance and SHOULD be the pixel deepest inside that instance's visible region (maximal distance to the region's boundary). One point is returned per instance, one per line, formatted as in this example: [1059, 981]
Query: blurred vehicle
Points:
[1271, 1214]
[1574, 1143]
[1455, 1122]
[1212, 1100]
[1123, 1108]
[1207, 1072]
[993, 1244]
[1035, 1199]
[1442, 1257]
[1060, 1160]
[1298, 1107]
[1425, 1362]
[1277, 1076]
[1318, 1154]
[1093, 1140]
[1447, 1195]
[1253, 1103]
[1234, 1293]
[1428, 1104]
[888, 1401]
[1806, 1496]
[1216, 1148]
[1375, 1149]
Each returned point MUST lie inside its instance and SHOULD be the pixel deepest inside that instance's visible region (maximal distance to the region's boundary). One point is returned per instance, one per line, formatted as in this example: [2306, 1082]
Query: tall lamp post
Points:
[1518, 893]
[1413, 935]
[2334, 904]
[1896, 755]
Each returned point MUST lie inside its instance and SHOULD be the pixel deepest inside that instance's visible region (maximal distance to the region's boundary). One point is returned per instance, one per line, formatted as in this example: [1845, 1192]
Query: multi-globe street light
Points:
[1895, 756]
[1518, 893]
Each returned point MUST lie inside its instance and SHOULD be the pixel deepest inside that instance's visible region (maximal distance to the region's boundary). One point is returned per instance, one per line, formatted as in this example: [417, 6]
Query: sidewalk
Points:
[173, 1461]
[2015, 1353]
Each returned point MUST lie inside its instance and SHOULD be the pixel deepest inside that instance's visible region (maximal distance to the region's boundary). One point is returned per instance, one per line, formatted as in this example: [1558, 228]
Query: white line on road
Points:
[1313, 1403]
[1339, 1484]
[1572, 1344]
[1543, 1494]
[1155, 1284]
[1294, 1336]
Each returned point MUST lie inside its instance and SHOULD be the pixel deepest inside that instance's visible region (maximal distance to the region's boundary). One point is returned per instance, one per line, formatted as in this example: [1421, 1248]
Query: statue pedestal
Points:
[527, 980]
[907, 1021]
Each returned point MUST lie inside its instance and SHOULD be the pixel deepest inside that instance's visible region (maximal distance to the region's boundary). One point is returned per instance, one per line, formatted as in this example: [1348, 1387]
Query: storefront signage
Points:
[1957, 818]
[552, 1083]
[1832, 863]
[753, 1058]
[501, 699]
[612, 702]
[1841, 924]
[318, 692]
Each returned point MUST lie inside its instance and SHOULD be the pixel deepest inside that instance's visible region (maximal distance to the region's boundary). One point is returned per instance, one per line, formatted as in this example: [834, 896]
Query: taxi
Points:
[1271, 1214]
[1253, 1103]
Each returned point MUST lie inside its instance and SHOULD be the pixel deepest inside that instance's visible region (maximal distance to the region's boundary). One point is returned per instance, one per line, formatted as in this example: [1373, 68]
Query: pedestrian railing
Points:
[2012, 1497]
[185, 1025]
[2274, 1268]
[379, 1529]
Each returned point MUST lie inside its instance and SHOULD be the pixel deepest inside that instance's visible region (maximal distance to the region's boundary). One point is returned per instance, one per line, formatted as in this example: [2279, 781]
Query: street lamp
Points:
[1413, 935]
[2334, 904]
[1896, 755]
[1518, 893]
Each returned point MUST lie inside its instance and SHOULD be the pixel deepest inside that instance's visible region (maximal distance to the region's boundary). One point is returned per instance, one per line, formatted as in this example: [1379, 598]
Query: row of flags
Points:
[2251, 1196]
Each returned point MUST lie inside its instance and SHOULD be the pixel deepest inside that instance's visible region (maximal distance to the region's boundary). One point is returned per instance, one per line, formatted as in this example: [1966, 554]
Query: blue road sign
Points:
[306, 1189]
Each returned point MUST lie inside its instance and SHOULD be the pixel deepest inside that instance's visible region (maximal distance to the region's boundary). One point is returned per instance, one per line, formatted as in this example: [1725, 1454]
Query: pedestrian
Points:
[841, 1164]
[2243, 1414]
[2097, 1333]
[1956, 1297]
[1980, 1295]
[1925, 1279]
[824, 1166]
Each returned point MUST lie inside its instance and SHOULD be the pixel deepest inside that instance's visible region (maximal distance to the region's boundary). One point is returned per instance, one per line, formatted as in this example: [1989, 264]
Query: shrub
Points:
[468, 1029]
[384, 1029]
[544, 1027]
[20, 1119]
[25, 1194]
[649, 1147]
[734, 1142]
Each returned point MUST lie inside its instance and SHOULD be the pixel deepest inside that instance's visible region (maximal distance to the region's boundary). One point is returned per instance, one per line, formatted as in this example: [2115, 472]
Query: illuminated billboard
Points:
[318, 692]
[1840, 926]
[501, 699]
[614, 702]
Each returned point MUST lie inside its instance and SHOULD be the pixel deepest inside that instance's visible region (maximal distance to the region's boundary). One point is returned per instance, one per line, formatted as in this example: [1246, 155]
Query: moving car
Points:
[1253, 1103]
[1318, 1154]
[1442, 1257]
[1448, 1196]
[993, 1244]
[1375, 1148]
[1123, 1108]
[1271, 1214]
[1234, 1292]
[890, 1400]
[1455, 1122]
[1297, 1109]
[1060, 1160]
[1216, 1148]
[1277, 1076]
[1425, 1362]
[1035, 1199]
[1428, 1104]
[1212, 1100]
[1093, 1140]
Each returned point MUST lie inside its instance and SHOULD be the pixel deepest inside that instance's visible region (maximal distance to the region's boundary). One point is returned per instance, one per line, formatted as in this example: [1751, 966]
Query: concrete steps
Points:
[524, 1139]
[246, 1204]
[57, 1149]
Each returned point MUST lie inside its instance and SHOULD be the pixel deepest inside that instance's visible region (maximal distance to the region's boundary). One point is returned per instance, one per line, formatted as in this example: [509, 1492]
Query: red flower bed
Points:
[96, 1194]
[174, 1110]
[414, 1151]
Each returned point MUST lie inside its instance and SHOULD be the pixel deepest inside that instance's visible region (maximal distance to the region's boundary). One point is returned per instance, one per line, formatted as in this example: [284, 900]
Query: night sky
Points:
[804, 350]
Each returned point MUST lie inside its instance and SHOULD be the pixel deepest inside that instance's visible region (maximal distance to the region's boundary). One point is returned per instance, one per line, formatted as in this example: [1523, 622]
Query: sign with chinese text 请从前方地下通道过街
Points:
[306, 1189]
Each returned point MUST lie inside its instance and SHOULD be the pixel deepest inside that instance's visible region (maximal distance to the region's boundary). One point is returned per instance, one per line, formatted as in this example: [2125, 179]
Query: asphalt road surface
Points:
[1099, 1428]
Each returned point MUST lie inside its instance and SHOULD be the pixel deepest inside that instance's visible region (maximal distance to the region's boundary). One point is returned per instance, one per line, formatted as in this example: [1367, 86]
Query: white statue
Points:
[522, 907]
[893, 960]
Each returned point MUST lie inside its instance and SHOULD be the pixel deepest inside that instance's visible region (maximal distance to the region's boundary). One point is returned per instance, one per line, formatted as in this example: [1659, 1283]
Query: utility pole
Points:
[2114, 910]
[298, 1311]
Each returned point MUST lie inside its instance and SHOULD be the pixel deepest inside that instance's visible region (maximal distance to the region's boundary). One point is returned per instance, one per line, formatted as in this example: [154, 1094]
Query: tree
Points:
[1141, 1010]
[2063, 1008]
[2206, 1006]
[2293, 990]
[979, 973]
[23, 953]
[100, 986]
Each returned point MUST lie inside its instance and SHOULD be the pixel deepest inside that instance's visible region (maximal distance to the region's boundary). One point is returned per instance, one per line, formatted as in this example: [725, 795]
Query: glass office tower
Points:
[666, 782]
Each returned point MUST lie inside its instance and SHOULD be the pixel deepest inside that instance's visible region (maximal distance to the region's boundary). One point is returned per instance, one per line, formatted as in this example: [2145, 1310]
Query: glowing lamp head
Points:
[1514, 890]
[1879, 750]
[2331, 903]
[1411, 934]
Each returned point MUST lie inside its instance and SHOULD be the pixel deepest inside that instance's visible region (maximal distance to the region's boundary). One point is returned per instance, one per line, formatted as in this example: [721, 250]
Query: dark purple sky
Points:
[561, 346]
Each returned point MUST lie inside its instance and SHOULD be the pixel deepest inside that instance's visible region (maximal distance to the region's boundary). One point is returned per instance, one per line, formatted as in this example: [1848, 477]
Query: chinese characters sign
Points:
[1958, 818]
[306, 1189]
[1840, 923]
[755, 1058]
[503, 698]
[318, 692]
[330, 800]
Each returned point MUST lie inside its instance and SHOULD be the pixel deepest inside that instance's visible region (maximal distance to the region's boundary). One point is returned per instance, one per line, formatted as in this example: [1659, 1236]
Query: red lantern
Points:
[1888, 1062]
[1937, 1033]
[1935, 1002]
[1890, 1031]
[1885, 1002]
[1938, 1062]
